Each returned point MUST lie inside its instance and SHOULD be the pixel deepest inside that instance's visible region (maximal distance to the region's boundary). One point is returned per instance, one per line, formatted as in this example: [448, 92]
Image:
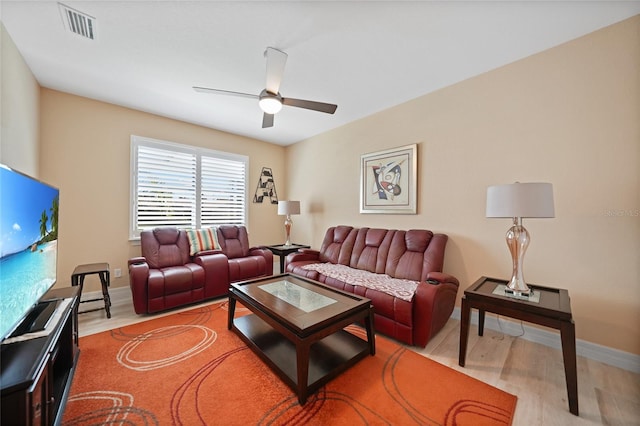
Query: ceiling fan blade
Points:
[267, 120]
[316, 106]
[223, 92]
[276, 59]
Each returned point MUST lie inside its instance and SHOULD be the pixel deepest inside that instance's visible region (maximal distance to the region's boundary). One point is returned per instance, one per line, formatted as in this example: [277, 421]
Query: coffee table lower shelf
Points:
[328, 357]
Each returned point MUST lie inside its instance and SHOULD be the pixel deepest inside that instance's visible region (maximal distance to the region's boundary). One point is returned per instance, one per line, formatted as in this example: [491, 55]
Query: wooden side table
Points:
[283, 251]
[553, 310]
[102, 269]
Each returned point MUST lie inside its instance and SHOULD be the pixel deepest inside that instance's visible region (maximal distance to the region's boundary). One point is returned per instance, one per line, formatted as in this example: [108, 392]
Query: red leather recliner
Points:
[166, 276]
[245, 262]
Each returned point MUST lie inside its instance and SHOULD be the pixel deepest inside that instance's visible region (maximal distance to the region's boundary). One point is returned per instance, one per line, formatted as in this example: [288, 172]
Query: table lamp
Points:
[517, 201]
[288, 208]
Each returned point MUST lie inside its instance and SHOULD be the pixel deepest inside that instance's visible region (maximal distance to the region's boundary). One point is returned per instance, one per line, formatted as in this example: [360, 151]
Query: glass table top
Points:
[300, 297]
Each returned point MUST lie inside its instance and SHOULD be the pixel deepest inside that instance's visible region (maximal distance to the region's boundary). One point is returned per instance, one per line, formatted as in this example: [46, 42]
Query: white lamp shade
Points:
[520, 200]
[288, 207]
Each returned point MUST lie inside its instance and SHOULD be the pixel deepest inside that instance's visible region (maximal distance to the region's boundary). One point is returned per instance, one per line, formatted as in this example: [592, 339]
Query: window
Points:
[184, 186]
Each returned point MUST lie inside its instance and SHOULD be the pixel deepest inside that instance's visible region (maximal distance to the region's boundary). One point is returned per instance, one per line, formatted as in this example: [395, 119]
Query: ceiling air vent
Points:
[77, 22]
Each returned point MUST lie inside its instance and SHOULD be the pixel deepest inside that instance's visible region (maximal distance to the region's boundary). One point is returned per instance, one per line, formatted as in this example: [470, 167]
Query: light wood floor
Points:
[533, 372]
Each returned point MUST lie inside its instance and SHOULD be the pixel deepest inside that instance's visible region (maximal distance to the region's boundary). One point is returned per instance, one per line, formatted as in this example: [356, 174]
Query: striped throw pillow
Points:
[202, 239]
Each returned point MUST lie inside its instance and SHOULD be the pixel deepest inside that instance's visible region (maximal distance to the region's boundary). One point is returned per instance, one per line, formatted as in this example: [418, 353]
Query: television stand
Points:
[38, 318]
[36, 374]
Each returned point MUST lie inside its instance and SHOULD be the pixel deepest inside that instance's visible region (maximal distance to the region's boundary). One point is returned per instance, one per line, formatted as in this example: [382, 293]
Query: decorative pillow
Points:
[202, 239]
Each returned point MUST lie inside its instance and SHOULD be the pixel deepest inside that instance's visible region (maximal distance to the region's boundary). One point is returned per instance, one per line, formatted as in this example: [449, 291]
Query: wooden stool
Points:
[102, 269]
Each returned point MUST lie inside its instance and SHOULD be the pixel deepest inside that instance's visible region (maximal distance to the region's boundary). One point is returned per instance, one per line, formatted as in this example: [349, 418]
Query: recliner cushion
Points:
[371, 249]
[407, 254]
[234, 241]
[337, 245]
[164, 247]
[244, 268]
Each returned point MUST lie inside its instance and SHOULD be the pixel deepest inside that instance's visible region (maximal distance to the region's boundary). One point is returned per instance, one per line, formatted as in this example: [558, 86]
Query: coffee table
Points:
[297, 328]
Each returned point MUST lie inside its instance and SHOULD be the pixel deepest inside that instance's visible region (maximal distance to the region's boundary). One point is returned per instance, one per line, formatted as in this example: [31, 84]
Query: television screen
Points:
[28, 245]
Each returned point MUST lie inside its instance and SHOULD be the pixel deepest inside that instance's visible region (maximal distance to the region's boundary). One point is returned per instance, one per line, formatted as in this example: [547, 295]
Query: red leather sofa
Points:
[400, 271]
[167, 276]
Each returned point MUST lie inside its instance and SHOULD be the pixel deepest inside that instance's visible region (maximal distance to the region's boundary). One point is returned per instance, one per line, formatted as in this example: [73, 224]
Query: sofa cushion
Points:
[202, 239]
[338, 244]
[408, 255]
[396, 287]
[244, 268]
[371, 249]
[234, 241]
[175, 279]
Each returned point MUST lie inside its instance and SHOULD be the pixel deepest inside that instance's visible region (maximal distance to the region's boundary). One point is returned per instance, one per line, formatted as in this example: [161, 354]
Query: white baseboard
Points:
[604, 354]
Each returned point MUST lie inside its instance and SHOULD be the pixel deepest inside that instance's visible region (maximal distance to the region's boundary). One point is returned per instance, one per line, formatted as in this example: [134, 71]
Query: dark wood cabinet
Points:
[37, 373]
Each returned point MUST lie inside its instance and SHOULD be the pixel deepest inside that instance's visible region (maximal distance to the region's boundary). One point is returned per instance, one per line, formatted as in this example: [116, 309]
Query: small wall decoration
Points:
[266, 187]
[388, 181]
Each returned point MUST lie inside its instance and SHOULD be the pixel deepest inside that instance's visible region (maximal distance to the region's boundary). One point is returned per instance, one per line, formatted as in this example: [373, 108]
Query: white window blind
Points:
[183, 186]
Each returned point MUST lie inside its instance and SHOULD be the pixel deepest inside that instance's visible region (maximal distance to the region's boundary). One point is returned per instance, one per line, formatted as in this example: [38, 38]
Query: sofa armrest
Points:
[259, 251]
[138, 279]
[441, 277]
[216, 272]
[433, 305]
[303, 255]
[310, 251]
[266, 253]
[136, 260]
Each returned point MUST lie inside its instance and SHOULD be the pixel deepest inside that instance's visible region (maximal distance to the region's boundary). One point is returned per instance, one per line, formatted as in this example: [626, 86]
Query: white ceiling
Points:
[363, 56]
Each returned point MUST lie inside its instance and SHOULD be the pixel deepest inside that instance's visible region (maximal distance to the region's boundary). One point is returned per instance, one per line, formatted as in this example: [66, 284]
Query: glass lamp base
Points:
[518, 286]
[288, 223]
[518, 291]
[518, 241]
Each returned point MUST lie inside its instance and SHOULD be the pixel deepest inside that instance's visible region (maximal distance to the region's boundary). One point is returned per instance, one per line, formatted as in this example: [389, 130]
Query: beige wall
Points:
[569, 116]
[85, 152]
[19, 109]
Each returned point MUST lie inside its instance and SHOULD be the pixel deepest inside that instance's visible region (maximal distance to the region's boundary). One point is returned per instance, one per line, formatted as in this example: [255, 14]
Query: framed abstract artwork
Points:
[388, 181]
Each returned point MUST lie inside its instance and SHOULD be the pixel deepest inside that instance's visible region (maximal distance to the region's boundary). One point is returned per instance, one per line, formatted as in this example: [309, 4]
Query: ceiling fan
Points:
[270, 99]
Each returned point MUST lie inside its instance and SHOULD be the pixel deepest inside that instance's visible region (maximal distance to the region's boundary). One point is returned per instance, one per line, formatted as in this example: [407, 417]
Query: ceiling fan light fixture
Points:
[270, 103]
[270, 100]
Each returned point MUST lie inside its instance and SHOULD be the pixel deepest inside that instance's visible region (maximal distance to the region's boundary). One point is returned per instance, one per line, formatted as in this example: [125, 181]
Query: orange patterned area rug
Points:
[188, 369]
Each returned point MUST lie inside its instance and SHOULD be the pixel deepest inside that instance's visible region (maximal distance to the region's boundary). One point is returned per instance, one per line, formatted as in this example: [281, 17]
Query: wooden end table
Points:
[283, 251]
[553, 310]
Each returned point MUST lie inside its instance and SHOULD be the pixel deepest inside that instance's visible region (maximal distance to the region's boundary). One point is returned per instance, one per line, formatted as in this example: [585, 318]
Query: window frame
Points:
[198, 152]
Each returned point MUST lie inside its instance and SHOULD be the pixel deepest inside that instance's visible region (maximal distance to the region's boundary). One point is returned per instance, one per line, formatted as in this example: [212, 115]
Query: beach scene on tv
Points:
[28, 244]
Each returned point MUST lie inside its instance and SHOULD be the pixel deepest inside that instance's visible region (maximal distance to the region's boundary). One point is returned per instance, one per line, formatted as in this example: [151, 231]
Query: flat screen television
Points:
[28, 251]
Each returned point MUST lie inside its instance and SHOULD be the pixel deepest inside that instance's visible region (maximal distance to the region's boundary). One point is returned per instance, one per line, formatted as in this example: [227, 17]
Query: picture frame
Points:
[388, 181]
